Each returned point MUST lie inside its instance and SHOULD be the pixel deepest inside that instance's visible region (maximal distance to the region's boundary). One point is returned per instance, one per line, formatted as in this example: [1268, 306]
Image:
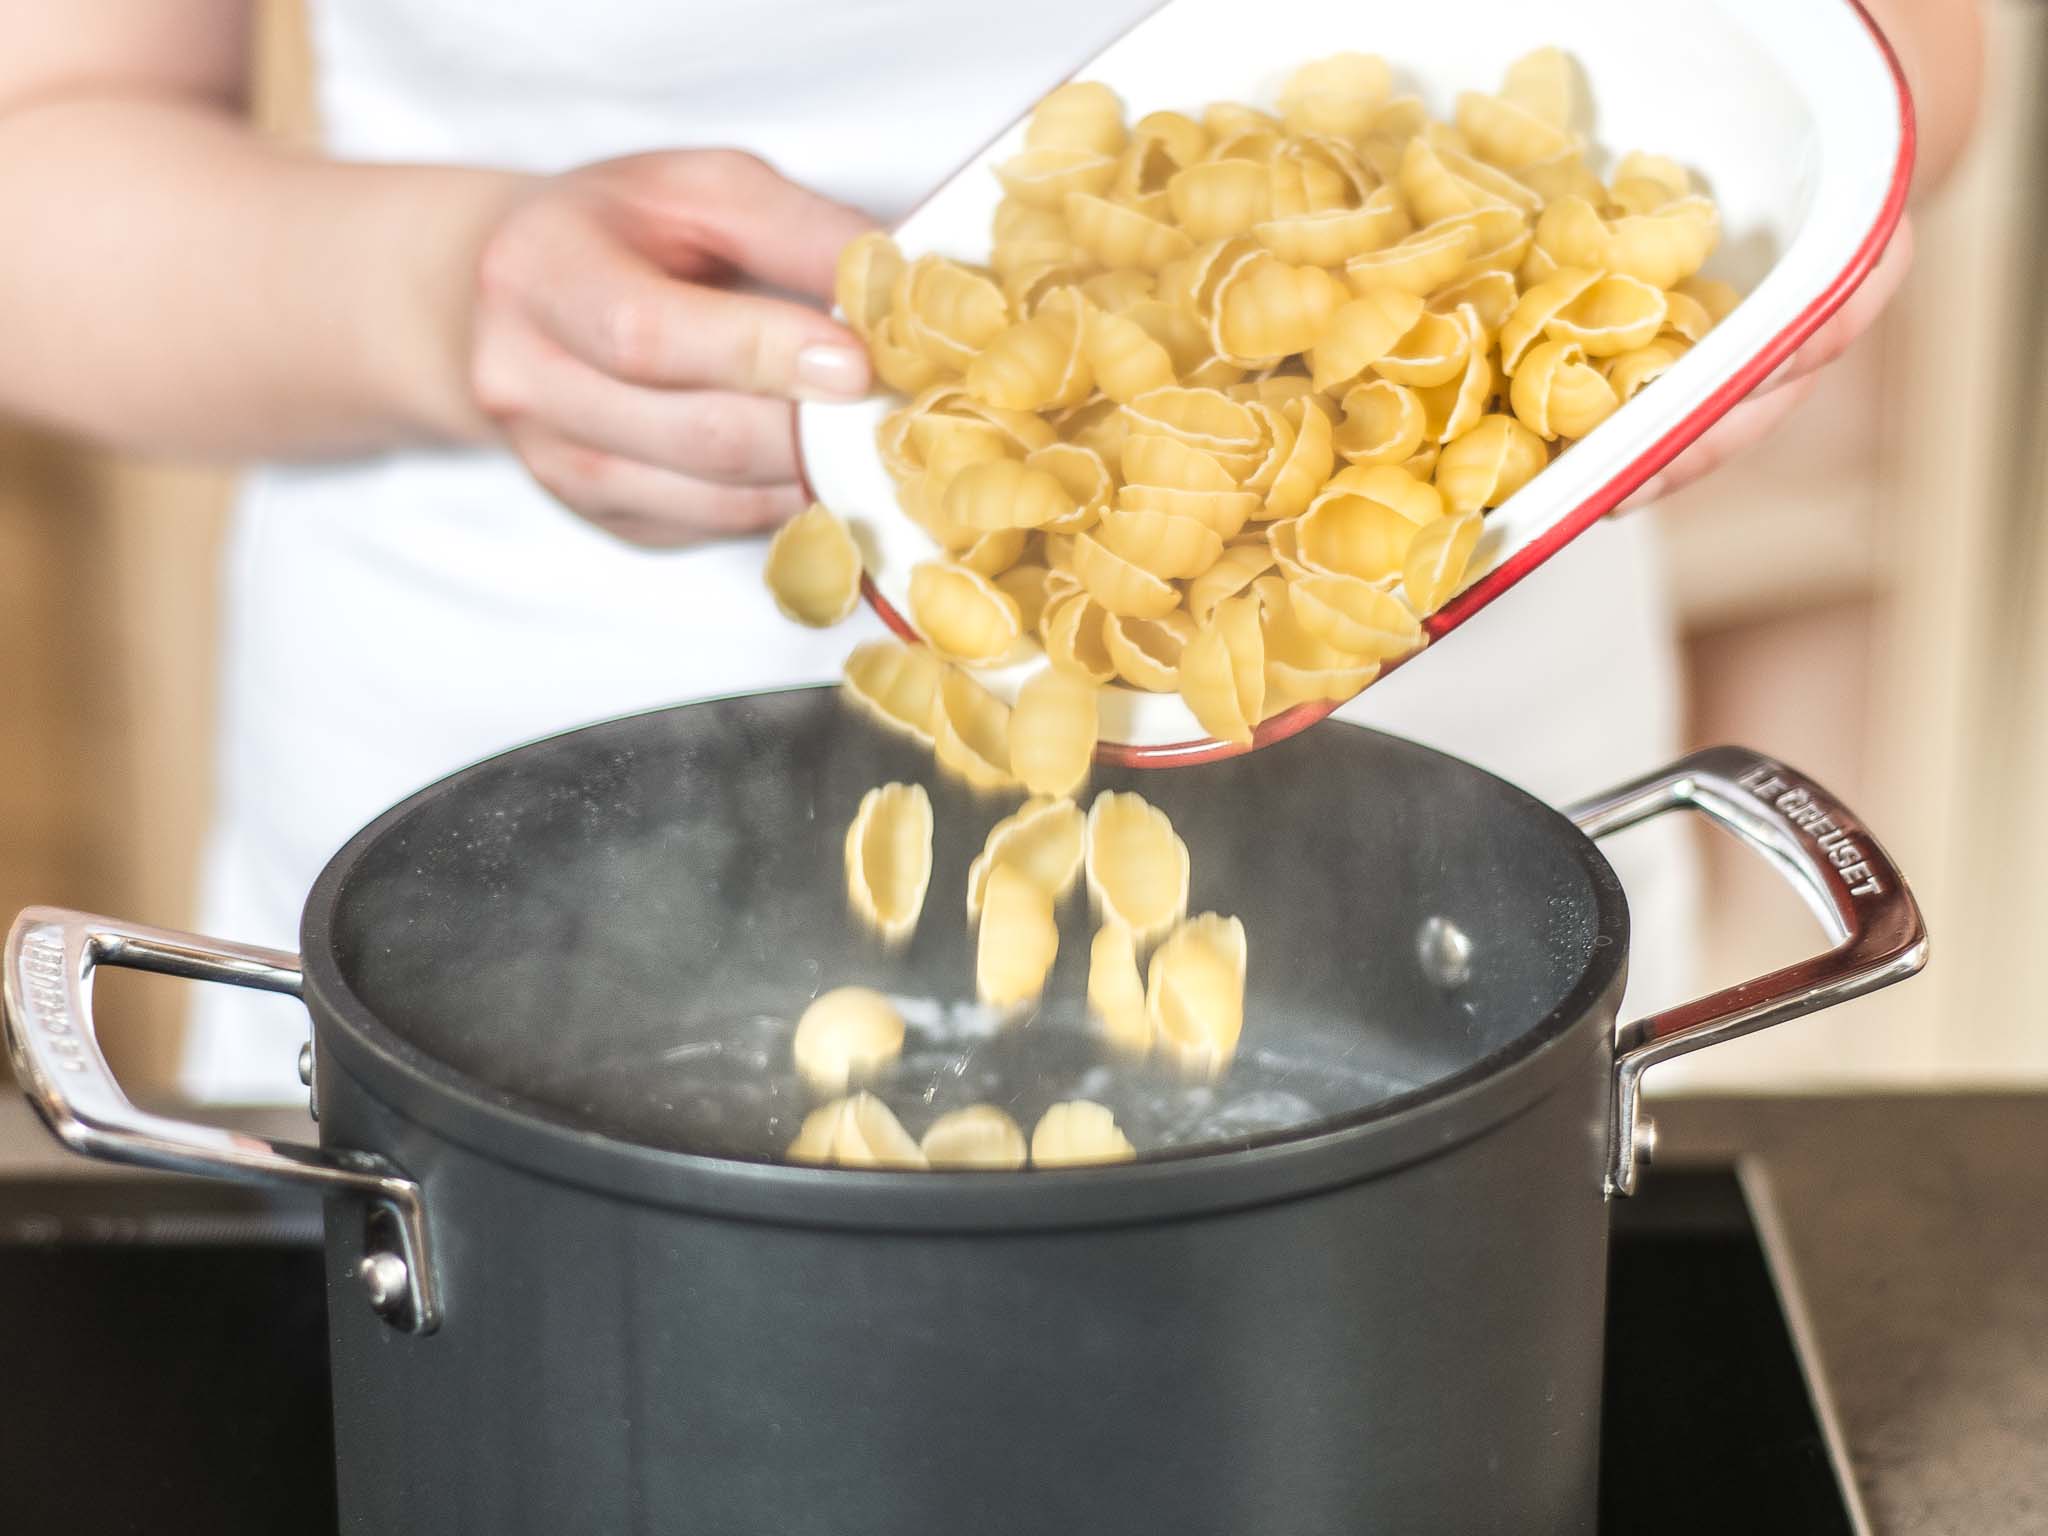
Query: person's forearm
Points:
[1940, 44]
[173, 283]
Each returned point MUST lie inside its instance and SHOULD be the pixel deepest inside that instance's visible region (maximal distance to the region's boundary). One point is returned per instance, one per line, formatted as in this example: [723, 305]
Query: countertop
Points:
[1917, 1226]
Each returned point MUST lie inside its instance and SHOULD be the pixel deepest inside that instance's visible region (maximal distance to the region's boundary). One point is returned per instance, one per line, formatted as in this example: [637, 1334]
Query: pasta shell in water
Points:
[1236, 569]
[1220, 198]
[1557, 393]
[1306, 467]
[1630, 371]
[1432, 350]
[889, 858]
[1423, 262]
[1223, 672]
[1615, 314]
[979, 1136]
[1126, 360]
[1042, 178]
[1340, 94]
[1122, 237]
[813, 568]
[1535, 310]
[1053, 728]
[856, 1132]
[868, 268]
[1267, 309]
[1042, 839]
[1035, 365]
[1359, 334]
[1077, 1132]
[1119, 585]
[1157, 459]
[1146, 652]
[1437, 561]
[1363, 521]
[844, 1036]
[1194, 993]
[1083, 476]
[1019, 939]
[947, 312]
[971, 732]
[1116, 992]
[1004, 493]
[1489, 464]
[1383, 423]
[1225, 512]
[1354, 617]
[1073, 633]
[895, 684]
[1165, 545]
[1082, 114]
[1137, 865]
[963, 615]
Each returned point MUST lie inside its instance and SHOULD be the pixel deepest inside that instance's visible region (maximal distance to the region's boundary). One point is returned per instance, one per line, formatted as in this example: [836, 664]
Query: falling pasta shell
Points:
[845, 1036]
[1019, 940]
[1137, 865]
[1043, 838]
[1116, 991]
[1194, 993]
[889, 858]
[971, 732]
[1053, 730]
[813, 568]
[896, 684]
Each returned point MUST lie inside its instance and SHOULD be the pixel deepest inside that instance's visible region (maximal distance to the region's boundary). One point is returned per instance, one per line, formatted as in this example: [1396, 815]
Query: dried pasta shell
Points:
[1332, 236]
[900, 365]
[1661, 248]
[1717, 298]
[993, 552]
[1492, 295]
[1615, 314]
[1432, 350]
[1562, 175]
[979, 1136]
[1359, 334]
[948, 312]
[1383, 423]
[1202, 418]
[1053, 728]
[1137, 865]
[856, 1132]
[1355, 617]
[1303, 668]
[1082, 114]
[1306, 467]
[895, 684]
[1226, 512]
[1004, 493]
[963, 615]
[1037, 364]
[1455, 406]
[971, 732]
[1536, 309]
[1223, 672]
[1489, 464]
[1363, 521]
[1194, 994]
[1184, 140]
[1043, 178]
[945, 444]
[1077, 1132]
[813, 568]
[1122, 237]
[869, 265]
[1278, 431]
[1220, 198]
[1267, 309]
[1237, 567]
[1085, 479]
[1119, 585]
[1435, 191]
[1116, 992]
[1424, 261]
[889, 858]
[1508, 133]
[1557, 393]
[1283, 542]
[1042, 838]
[1631, 370]
[1157, 459]
[1165, 545]
[1147, 651]
[1126, 360]
[1341, 94]
[1025, 585]
[844, 1036]
[1437, 560]
[1018, 941]
[1545, 84]
[1116, 292]
[1685, 317]
[1423, 464]
[1073, 633]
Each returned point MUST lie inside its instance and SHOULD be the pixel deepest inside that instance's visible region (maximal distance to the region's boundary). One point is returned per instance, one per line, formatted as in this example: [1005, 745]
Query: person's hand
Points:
[1757, 416]
[639, 390]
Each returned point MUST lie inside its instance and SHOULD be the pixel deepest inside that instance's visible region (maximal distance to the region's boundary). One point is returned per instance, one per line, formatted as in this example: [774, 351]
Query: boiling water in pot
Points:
[618, 929]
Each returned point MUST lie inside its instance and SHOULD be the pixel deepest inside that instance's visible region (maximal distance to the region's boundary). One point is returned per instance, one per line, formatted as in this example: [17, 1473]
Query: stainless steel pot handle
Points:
[51, 1040]
[1824, 851]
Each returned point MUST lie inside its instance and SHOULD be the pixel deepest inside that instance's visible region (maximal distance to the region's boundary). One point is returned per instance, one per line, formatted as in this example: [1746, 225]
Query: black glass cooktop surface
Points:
[163, 1363]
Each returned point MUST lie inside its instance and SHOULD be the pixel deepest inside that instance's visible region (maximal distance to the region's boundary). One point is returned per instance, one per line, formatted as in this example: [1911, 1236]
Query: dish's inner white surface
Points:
[1785, 111]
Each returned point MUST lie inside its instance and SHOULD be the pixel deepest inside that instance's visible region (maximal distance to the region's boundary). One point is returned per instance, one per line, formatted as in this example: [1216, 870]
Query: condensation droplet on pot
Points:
[1445, 952]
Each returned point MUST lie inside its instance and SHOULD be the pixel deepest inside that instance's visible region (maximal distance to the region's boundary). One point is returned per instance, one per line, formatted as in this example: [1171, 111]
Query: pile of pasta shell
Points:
[1224, 411]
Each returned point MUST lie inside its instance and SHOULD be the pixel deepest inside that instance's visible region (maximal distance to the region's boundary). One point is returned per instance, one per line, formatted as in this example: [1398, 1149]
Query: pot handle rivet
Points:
[386, 1281]
[1646, 1140]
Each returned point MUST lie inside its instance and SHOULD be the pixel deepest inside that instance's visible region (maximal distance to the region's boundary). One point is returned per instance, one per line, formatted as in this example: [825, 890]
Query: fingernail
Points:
[831, 373]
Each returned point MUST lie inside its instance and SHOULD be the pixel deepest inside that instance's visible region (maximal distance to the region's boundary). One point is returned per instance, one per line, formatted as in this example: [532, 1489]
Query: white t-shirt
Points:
[391, 619]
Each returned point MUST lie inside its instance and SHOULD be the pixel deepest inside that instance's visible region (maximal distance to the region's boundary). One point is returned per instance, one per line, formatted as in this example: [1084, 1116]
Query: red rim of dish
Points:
[1726, 395]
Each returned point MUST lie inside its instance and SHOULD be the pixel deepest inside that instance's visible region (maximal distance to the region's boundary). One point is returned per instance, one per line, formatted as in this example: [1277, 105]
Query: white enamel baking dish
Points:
[1794, 113]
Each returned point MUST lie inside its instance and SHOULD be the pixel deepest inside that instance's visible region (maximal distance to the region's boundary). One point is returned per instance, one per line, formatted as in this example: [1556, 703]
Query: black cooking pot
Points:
[1357, 1286]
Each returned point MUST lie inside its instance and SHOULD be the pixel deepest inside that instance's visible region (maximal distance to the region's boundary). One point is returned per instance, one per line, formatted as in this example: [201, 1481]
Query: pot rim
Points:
[1406, 1127]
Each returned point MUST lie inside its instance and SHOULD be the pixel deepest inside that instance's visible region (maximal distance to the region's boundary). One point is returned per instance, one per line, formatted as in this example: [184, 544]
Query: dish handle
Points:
[1824, 852]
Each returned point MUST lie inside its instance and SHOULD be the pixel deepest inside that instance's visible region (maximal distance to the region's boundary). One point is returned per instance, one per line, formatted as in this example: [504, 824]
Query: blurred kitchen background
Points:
[1866, 596]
